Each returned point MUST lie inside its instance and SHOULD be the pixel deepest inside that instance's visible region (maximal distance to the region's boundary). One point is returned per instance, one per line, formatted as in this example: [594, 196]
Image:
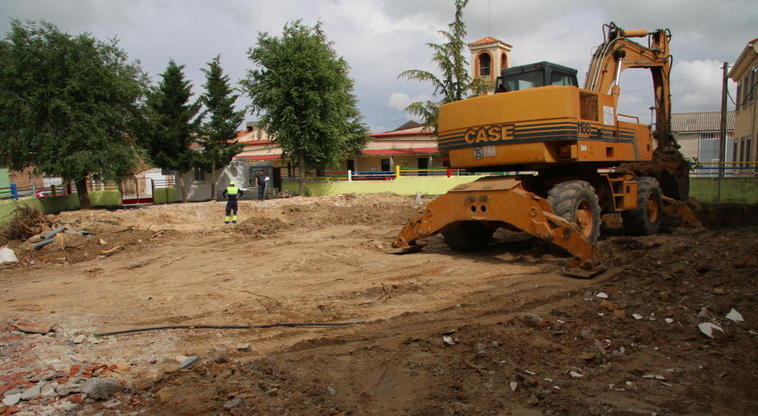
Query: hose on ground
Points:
[260, 326]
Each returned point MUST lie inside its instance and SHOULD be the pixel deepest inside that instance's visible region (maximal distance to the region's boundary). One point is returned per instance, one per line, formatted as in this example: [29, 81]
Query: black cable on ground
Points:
[261, 326]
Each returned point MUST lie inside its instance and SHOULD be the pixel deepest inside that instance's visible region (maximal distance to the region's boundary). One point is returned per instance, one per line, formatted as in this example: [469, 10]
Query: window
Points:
[199, 175]
[561, 79]
[485, 62]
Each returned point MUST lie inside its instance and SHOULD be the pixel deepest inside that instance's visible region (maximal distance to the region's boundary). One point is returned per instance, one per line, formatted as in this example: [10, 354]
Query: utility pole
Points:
[722, 138]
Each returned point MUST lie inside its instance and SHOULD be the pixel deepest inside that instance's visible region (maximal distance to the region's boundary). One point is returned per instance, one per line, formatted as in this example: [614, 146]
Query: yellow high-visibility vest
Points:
[232, 190]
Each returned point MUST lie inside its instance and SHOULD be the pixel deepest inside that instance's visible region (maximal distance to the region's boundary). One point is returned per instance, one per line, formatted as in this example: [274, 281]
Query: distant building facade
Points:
[699, 135]
[745, 73]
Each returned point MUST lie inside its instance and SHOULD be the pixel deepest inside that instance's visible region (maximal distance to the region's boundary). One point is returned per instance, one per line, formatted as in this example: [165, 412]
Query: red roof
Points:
[415, 131]
[395, 152]
[488, 40]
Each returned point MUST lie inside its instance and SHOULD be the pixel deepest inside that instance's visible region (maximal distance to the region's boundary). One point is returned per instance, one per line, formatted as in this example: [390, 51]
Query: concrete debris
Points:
[735, 316]
[575, 374]
[668, 320]
[243, 347]
[188, 362]
[32, 392]
[79, 339]
[331, 390]
[602, 295]
[448, 340]
[101, 388]
[7, 255]
[636, 316]
[654, 376]
[49, 390]
[707, 329]
[514, 386]
[32, 327]
[231, 404]
[11, 399]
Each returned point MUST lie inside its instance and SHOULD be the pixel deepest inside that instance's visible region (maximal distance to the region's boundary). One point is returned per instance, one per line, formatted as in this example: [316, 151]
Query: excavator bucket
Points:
[502, 200]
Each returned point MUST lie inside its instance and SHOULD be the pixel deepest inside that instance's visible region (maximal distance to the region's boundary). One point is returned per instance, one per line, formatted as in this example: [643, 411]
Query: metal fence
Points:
[731, 169]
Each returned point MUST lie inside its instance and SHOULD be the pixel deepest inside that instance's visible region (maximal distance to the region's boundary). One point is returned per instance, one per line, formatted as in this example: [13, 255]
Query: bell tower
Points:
[488, 57]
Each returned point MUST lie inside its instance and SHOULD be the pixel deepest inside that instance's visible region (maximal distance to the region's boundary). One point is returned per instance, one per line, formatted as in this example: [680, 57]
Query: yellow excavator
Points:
[583, 158]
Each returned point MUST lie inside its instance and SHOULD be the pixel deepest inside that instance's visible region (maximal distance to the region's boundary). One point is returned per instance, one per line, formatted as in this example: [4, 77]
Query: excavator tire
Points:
[646, 218]
[467, 236]
[577, 202]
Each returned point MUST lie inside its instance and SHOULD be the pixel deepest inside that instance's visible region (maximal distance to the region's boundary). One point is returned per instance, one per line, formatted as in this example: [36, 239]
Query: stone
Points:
[101, 388]
[32, 327]
[534, 320]
[514, 386]
[32, 392]
[70, 387]
[718, 291]
[705, 313]
[188, 362]
[68, 406]
[448, 340]
[11, 399]
[243, 347]
[602, 295]
[231, 404]
[331, 390]
[49, 390]
[708, 329]
[735, 316]
[7, 255]
[79, 339]
[575, 374]
[636, 316]
[664, 295]
[587, 356]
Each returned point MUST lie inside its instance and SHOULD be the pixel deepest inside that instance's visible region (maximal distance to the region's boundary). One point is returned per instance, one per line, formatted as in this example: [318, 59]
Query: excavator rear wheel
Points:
[646, 218]
[467, 236]
[577, 202]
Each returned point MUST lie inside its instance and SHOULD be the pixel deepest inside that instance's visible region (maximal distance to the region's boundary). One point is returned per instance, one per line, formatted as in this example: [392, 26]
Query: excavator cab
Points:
[535, 75]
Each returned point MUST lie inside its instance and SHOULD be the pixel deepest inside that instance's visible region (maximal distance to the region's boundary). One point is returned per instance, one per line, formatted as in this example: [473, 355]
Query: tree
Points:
[303, 93]
[222, 125]
[170, 125]
[455, 83]
[68, 105]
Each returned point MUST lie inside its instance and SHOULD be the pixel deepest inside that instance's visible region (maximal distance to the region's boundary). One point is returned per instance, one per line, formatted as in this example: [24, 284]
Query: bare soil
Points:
[494, 333]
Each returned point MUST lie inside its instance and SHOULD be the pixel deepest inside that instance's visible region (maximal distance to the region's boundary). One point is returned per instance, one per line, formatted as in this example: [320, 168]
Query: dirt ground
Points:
[500, 332]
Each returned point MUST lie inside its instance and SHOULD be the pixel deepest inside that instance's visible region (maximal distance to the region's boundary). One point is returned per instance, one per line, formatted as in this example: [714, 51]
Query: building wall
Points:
[374, 163]
[689, 144]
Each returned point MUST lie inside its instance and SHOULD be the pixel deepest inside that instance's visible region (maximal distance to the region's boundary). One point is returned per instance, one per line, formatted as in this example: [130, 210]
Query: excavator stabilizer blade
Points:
[496, 200]
[582, 273]
[407, 250]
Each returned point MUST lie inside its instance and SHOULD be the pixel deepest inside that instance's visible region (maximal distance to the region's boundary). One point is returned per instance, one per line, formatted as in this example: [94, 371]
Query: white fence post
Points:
[349, 175]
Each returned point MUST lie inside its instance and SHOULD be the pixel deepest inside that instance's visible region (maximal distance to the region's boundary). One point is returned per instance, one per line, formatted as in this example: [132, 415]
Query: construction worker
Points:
[231, 193]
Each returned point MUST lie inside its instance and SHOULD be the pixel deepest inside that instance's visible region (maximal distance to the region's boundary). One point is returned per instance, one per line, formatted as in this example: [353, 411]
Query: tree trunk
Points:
[182, 187]
[302, 176]
[213, 181]
[81, 191]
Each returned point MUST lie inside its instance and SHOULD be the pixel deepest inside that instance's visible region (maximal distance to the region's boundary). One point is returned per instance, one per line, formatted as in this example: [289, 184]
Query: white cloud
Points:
[400, 100]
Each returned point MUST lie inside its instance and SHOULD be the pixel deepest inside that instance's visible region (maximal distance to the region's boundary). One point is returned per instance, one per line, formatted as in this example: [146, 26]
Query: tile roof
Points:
[700, 122]
[487, 40]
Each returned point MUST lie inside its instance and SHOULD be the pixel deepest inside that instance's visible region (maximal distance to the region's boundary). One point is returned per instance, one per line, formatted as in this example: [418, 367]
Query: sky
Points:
[381, 38]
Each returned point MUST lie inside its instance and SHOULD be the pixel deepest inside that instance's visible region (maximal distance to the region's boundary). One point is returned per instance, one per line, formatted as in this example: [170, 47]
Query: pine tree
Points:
[222, 120]
[171, 124]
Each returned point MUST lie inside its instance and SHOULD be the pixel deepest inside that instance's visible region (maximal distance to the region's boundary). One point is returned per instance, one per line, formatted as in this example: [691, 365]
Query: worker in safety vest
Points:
[231, 193]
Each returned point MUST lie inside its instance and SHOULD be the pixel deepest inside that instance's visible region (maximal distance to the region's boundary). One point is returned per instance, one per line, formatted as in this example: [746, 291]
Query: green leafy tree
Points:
[171, 125]
[221, 122]
[303, 93]
[455, 82]
[68, 105]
